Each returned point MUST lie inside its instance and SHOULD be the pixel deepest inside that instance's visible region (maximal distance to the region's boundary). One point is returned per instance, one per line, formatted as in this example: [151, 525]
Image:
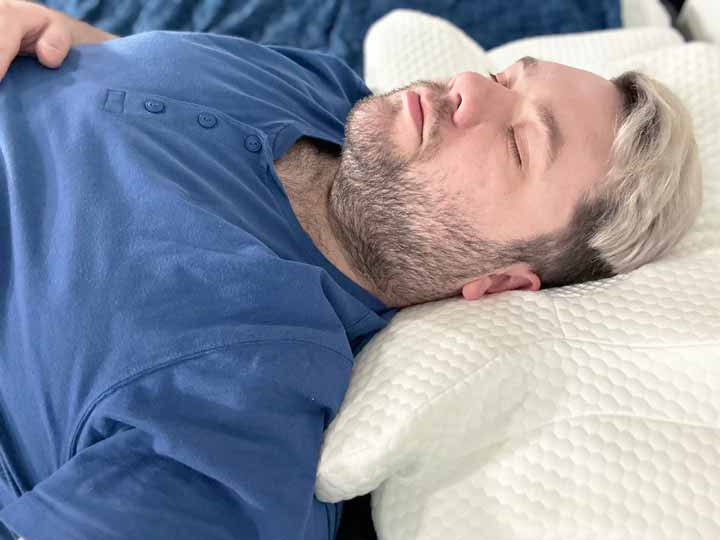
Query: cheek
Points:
[470, 185]
[469, 171]
[468, 166]
[540, 210]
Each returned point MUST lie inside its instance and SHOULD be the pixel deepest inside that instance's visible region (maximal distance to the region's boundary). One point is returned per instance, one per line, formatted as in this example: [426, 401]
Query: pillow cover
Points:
[644, 13]
[407, 45]
[588, 411]
[700, 19]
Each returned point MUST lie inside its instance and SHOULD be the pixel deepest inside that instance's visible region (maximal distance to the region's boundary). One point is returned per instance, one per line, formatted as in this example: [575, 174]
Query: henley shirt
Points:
[172, 343]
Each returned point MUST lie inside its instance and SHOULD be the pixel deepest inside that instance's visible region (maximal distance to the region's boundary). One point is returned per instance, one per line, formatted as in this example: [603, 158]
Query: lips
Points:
[415, 109]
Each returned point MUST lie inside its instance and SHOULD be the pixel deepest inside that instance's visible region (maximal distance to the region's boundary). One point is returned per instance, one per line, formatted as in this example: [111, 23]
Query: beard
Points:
[412, 242]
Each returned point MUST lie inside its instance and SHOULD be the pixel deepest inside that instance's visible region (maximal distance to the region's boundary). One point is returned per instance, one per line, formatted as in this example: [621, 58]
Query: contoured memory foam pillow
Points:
[589, 411]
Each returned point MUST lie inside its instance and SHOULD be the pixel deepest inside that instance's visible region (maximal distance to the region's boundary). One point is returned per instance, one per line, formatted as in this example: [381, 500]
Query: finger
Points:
[9, 47]
[53, 45]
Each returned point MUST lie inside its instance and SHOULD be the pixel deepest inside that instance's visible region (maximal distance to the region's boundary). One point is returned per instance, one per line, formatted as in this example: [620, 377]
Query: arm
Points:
[222, 445]
[29, 28]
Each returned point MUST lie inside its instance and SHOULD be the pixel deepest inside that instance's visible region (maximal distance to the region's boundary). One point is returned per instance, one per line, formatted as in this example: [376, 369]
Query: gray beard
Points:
[409, 241]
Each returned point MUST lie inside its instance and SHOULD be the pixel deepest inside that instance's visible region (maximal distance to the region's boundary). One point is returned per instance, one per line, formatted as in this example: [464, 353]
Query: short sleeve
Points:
[223, 445]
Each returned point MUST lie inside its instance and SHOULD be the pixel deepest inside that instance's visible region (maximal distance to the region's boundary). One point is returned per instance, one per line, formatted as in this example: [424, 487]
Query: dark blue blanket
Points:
[339, 26]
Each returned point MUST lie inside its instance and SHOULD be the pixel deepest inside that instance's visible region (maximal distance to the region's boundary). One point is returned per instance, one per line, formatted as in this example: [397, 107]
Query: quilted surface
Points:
[406, 45]
[589, 411]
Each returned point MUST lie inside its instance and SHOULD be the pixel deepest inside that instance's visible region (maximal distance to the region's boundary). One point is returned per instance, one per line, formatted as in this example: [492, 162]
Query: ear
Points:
[513, 277]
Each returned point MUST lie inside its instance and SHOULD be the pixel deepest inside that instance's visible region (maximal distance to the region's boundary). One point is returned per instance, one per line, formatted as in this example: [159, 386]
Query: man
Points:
[202, 232]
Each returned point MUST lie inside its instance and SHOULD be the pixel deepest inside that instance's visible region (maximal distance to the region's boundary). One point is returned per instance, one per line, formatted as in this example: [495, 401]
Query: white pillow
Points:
[589, 411]
[406, 45]
[644, 13]
[700, 19]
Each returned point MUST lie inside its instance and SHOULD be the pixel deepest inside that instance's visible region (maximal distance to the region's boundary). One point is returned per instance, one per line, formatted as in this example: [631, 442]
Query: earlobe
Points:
[476, 288]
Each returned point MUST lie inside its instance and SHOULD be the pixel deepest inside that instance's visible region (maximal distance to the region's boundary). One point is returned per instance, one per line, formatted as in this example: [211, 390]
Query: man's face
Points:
[451, 188]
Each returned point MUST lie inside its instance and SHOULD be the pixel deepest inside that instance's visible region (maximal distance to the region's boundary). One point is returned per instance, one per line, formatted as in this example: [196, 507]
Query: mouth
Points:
[414, 106]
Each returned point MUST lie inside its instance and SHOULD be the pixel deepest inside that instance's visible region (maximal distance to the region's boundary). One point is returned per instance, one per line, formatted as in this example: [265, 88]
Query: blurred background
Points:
[339, 26]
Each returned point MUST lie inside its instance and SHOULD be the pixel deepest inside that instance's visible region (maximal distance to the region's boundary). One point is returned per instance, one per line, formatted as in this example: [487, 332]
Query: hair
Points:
[648, 201]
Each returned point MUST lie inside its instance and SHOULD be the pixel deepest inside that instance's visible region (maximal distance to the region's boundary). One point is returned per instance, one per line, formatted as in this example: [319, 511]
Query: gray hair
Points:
[649, 200]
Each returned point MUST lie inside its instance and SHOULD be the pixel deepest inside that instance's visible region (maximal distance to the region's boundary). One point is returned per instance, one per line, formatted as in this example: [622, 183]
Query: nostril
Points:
[457, 101]
[458, 97]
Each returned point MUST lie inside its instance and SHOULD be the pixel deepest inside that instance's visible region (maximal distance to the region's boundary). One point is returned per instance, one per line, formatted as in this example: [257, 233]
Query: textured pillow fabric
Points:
[407, 45]
[589, 411]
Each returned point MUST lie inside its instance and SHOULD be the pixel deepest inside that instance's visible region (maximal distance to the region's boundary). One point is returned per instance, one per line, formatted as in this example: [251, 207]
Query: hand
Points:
[32, 29]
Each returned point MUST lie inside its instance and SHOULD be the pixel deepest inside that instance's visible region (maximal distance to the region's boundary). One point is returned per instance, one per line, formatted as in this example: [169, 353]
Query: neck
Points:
[307, 172]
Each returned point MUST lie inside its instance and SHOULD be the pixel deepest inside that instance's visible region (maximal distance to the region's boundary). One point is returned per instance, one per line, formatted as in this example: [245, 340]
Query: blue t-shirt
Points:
[172, 343]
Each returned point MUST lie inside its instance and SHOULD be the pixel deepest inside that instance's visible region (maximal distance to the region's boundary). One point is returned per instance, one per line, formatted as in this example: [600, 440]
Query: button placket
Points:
[182, 112]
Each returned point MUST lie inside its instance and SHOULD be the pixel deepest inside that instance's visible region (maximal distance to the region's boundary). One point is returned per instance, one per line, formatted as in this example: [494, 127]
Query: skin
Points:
[27, 28]
[417, 216]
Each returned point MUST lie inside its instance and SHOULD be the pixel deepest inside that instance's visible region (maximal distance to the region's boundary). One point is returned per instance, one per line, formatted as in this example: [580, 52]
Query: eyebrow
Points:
[546, 115]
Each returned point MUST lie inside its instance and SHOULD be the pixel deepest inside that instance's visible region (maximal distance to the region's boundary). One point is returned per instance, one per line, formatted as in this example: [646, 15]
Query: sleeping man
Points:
[200, 232]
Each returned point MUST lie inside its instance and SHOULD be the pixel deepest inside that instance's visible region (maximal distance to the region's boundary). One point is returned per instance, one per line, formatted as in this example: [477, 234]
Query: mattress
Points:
[588, 411]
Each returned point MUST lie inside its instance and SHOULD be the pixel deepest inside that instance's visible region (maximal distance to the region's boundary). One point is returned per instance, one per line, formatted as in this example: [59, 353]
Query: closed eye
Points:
[512, 143]
[511, 139]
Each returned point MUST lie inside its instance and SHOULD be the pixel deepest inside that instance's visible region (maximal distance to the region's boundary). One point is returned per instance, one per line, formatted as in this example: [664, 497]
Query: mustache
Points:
[436, 95]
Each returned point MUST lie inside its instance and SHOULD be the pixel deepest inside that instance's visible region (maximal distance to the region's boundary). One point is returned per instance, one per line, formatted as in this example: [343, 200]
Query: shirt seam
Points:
[141, 372]
[361, 319]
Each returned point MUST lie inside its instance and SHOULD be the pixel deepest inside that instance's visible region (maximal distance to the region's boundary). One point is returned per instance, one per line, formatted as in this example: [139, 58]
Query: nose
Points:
[479, 99]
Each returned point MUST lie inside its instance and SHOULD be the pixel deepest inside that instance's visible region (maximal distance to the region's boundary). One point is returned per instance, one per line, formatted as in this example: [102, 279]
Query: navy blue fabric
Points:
[172, 343]
[5, 533]
[339, 26]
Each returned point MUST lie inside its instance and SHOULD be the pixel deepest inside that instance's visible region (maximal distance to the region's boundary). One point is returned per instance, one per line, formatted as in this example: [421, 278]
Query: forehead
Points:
[586, 107]
[586, 103]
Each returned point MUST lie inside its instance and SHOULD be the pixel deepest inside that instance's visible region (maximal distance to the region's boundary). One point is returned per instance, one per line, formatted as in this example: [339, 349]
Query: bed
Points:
[460, 437]
[590, 411]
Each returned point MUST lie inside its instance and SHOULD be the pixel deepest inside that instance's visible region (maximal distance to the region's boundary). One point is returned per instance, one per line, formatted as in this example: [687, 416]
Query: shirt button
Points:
[207, 120]
[253, 143]
[154, 106]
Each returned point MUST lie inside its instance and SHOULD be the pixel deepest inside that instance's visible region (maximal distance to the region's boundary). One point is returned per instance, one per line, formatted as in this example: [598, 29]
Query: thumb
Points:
[53, 46]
